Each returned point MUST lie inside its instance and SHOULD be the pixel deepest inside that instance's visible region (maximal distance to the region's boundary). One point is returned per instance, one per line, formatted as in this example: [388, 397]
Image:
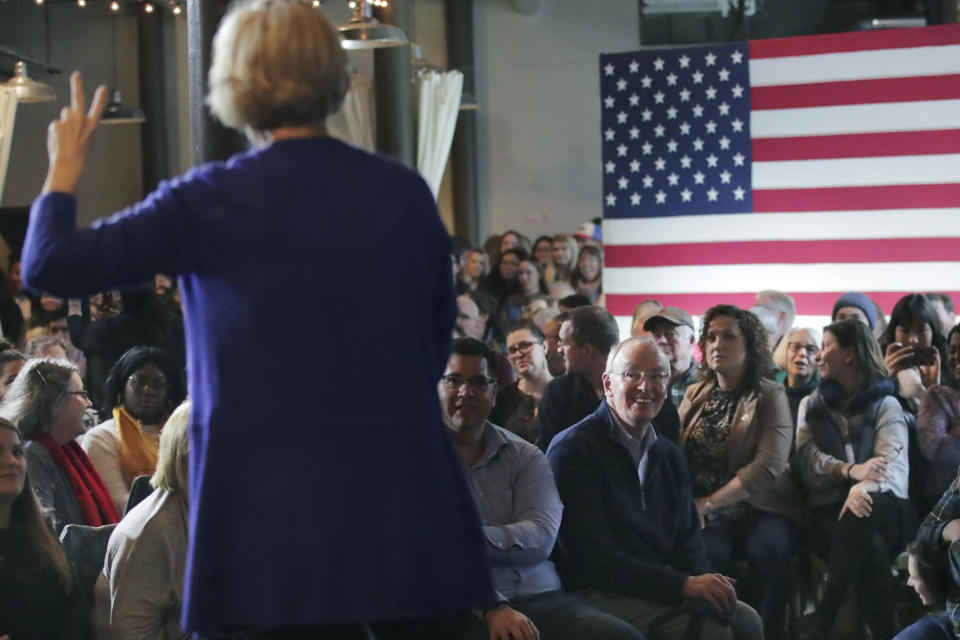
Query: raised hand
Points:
[68, 138]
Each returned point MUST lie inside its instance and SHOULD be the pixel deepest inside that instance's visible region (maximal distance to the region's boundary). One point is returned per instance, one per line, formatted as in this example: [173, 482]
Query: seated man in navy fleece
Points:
[630, 533]
[520, 511]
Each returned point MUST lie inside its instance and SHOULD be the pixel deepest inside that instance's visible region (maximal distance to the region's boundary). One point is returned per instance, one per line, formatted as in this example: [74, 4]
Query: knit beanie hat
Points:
[858, 300]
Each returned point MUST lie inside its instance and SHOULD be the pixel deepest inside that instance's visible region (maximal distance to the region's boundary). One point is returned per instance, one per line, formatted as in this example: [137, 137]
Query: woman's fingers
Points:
[77, 100]
[98, 104]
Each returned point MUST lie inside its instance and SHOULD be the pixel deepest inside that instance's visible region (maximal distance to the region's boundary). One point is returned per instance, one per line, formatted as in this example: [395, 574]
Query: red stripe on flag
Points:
[856, 145]
[784, 252]
[813, 304]
[906, 196]
[856, 41]
[828, 94]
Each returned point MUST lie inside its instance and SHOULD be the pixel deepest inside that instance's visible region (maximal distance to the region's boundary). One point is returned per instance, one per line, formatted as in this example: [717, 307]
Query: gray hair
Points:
[33, 400]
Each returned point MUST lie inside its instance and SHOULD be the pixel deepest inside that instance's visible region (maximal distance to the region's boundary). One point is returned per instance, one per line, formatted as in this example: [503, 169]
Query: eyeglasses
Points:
[82, 393]
[160, 385]
[522, 346]
[566, 343]
[637, 377]
[476, 383]
[795, 347]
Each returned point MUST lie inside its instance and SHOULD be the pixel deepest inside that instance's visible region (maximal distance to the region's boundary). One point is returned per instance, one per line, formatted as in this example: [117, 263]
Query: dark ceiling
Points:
[782, 18]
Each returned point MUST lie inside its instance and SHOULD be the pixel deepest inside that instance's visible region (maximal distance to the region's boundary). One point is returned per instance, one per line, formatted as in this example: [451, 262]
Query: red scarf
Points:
[88, 488]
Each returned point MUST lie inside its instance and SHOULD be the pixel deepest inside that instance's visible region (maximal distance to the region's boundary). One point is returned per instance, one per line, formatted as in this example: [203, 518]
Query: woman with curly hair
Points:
[37, 594]
[852, 451]
[735, 429]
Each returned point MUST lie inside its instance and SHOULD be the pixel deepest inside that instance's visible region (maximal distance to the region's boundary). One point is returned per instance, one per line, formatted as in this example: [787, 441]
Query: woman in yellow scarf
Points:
[141, 390]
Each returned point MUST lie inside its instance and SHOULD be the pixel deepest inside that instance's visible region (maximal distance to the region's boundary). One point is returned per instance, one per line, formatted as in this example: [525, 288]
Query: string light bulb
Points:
[114, 6]
[81, 3]
[39, 1]
[148, 8]
[316, 4]
[177, 9]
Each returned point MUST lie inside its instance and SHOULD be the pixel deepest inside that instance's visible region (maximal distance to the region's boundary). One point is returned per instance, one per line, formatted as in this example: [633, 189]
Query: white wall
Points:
[539, 119]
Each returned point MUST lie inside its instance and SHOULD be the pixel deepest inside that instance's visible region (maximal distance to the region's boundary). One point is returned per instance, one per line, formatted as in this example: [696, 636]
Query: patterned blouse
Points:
[706, 451]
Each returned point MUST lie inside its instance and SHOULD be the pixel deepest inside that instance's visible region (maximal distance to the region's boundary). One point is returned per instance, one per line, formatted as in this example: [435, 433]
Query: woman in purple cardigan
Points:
[323, 489]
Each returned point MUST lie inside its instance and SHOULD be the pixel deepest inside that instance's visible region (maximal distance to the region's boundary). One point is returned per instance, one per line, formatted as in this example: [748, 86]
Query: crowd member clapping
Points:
[914, 348]
[141, 388]
[736, 434]
[47, 403]
[852, 446]
[518, 403]
[938, 430]
[140, 591]
[37, 594]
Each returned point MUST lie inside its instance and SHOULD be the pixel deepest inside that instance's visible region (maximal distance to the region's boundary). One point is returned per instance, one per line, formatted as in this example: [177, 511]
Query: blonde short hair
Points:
[173, 459]
[276, 63]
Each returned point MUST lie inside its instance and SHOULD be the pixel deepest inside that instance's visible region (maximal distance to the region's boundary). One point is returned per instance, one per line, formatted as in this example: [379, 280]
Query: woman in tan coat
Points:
[736, 434]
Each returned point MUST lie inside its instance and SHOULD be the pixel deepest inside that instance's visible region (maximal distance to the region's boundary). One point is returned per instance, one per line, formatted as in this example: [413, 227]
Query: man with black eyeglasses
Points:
[519, 506]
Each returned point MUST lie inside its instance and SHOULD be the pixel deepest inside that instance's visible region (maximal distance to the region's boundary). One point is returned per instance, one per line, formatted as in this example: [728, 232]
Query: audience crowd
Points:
[691, 480]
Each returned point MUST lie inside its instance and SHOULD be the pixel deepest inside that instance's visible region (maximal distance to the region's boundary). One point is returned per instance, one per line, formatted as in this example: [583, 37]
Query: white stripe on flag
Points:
[857, 172]
[855, 65]
[925, 115]
[820, 225]
[888, 276]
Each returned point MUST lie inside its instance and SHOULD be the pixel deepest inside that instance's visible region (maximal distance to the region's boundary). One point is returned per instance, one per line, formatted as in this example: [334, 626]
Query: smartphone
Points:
[925, 356]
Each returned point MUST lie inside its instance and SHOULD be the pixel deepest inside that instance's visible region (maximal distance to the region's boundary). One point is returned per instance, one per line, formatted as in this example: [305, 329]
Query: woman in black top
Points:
[37, 595]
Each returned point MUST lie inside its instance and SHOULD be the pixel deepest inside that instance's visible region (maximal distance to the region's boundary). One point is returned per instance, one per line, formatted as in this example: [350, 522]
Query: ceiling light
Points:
[363, 31]
[27, 89]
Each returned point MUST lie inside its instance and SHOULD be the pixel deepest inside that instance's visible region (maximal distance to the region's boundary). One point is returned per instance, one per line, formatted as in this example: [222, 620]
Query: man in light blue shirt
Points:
[520, 512]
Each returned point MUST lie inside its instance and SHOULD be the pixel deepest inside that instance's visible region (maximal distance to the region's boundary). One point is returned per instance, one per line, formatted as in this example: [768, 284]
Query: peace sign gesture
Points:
[68, 139]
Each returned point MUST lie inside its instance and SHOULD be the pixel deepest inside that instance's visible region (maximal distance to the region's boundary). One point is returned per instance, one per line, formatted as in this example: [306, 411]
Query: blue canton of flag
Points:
[676, 131]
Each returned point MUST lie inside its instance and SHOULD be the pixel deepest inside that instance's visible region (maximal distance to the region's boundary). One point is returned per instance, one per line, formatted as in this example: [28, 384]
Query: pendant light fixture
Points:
[116, 112]
[28, 89]
[363, 31]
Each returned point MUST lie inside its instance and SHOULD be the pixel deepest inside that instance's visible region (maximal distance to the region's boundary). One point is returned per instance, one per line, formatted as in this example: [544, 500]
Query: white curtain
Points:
[8, 110]
[438, 103]
[358, 112]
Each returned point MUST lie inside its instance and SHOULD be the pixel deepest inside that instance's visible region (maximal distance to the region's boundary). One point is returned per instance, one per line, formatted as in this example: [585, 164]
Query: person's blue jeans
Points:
[768, 541]
[935, 626]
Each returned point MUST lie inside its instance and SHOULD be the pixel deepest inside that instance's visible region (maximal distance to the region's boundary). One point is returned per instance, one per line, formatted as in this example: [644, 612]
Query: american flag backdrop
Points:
[813, 165]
